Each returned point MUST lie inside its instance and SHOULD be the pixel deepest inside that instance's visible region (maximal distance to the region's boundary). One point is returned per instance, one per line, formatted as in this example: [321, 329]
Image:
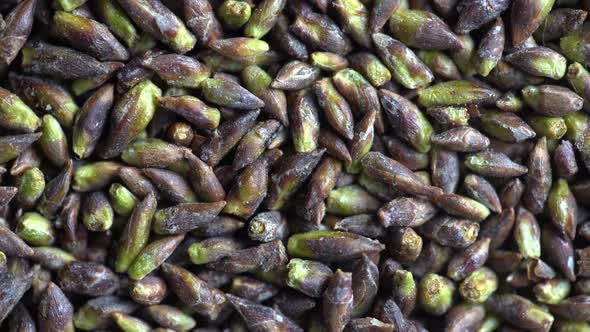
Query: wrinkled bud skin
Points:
[89, 36]
[449, 116]
[44, 95]
[130, 324]
[498, 228]
[45, 59]
[539, 178]
[405, 245]
[326, 245]
[117, 21]
[564, 159]
[365, 284]
[351, 200]
[54, 311]
[461, 139]
[203, 180]
[173, 186]
[136, 233]
[239, 48]
[90, 121]
[308, 277]
[295, 75]
[328, 61]
[229, 94]
[407, 120]
[290, 176]
[12, 146]
[170, 317]
[482, 191]
[381, 11]
[574, 45]
[149, 290]
[510, 102]
[320, 32]
[574, 308]
[370, 67]
[234, 14]
[520, 312]
[444, 169]
[95, 176]
[18, 26]
[406, 67]
[336, 109]
[406, 212]
[441, 65]
[423, 30]
[552, 291]
[153, 255]
[264, 18]
[130, 115]
[506, 77]
[493, 164]
[393, 173]
[193, 110]
[185, 217]
[15, 114]
[97, 212]
[463, 92]
[475, 14]
[539, 61]
[551, 100]
[465, 318]
[156, 19]
[268, 226]
[526, 16]
[338, 301]
[361, 142]
[490, 48]
[56, 191]
[31, 185]
[405, 154]
[558, 23]
[369, 324]
[264, 257]
[53, 141]
[466, 261]
[304, 121]
[359, 93]
[550, 127]
[13, 286]
[96, 313]
[200, 18]
[88, 279]
[354, 19]
[435, 294]
[449, 231]
[579, 79]
[12, 245]
[178, 70]
[562, 208]
[260, 318]
[151, 152]
[505, 126]
[559, 250]
[323, 180]
[122, 200]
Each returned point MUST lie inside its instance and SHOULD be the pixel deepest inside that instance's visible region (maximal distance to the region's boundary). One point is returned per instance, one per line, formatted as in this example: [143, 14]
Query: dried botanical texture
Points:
[444, 169]
[171, 185]
[304, 121]
[149, 290]
[200, 18]
[551, 100]
[539, 178]
[354, 20]
[12, 245]
[97, 212]
[268, 226]
[15, 114]
[441, 65]
[405, 154]
[406, 67]
[287, 41]
[405, 245]
[474, 14]
[320, 32]
[336, 109]
[562, 208]
[466, 261]
[559, 251]
[526, 16]
[53, 141]
[234, 14]
[88, 279]
[482, 191]
[564, 159]
[265, 257]
[490, 48]
[578, 78]
[178, 70]
[539, 61]
[95, 176]
[506, 126]
[422, 29]
[251, 186]
[322, 181]
[43, 95]
[264, 18]
[260, 318]
[479, 285]
[45, 59]
[435, 294]
[392, 173]
[20, 320]
[521, 312]
[226, 137]
[461, 139]
[359, 93]
[406, 212]
[130, 115]
[351, 200]
[493, 164]
[381, 11]
[14, 284]
[88, 36]
[370, 67]
[449, 231]
[55, 191]
[54, 311]
[558, 23]
[328, 61]
[498, 228]
[90, 120]
[18, 26]
[157, 20]
[464, 317]
[308, 277]
[365, 284]
[152, 256]
[96, 313]
[12, 146]
[361, 142]
[457, 93]
[327, 245]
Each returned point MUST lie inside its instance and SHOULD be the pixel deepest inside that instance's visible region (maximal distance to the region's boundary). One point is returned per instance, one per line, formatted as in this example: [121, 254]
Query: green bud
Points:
[122, 200]
[435, 294]
[34, 229]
